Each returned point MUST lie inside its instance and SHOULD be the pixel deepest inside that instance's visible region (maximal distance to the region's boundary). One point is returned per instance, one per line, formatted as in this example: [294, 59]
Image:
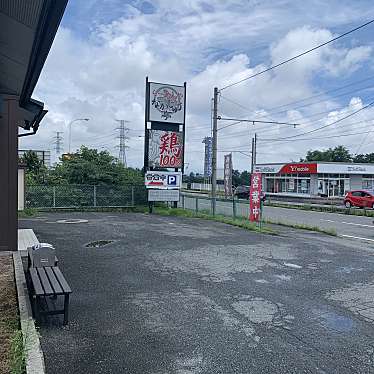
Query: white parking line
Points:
[348, 223]
[357, 237]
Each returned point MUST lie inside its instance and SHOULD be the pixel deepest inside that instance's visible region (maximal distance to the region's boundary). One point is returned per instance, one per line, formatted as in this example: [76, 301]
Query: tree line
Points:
[91, 167]
[86, 166]
[338, 154]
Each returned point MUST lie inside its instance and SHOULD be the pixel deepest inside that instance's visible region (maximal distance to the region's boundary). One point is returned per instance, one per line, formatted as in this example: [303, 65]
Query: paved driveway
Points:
[186, 296]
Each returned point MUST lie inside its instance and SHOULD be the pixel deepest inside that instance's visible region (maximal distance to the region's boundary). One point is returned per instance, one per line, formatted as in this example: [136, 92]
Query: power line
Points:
[330, 124]
[268, 141]
[326, 137]
[298, 56]
[253, 121]
[309, 122]
[366, 122]
[270, 110]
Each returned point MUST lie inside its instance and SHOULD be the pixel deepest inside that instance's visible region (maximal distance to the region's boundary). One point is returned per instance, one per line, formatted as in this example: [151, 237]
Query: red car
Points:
[360, 198]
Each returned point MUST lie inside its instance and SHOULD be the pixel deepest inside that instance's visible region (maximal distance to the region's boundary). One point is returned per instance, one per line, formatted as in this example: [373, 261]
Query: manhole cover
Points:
[72, 220]
[98, 243]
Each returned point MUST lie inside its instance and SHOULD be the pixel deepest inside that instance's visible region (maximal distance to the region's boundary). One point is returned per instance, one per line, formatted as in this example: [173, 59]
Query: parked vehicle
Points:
[242, 192]
[359, 198]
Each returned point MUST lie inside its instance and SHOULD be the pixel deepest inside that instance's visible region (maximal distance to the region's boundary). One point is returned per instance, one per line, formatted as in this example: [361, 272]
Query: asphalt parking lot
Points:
[187, 296]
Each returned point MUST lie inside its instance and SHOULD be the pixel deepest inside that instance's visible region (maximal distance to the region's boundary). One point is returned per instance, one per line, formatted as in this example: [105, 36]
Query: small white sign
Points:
[163, 195]
[163, 180]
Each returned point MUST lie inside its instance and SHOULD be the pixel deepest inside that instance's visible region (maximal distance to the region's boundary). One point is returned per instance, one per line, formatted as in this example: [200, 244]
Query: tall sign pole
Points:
[146, 134]
[214, 151]
[164, 140]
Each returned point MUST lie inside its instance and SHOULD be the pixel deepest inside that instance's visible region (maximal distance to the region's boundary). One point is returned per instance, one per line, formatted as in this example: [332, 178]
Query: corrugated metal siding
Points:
[24, 11]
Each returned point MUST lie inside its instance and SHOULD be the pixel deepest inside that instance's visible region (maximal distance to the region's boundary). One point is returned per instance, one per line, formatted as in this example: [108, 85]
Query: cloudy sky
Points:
[104, 49]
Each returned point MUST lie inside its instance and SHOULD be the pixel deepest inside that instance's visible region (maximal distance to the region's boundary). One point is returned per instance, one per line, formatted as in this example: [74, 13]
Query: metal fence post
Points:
[132, 196]
[54, 196]
[234, 208]
[197, 204]
[94, 196]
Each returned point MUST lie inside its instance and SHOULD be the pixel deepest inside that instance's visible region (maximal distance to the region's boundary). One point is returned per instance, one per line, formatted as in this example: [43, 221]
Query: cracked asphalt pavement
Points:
[188, 296]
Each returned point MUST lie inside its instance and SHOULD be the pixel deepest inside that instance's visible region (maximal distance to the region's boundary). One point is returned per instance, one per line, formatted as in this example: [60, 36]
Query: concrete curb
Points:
[33, 353]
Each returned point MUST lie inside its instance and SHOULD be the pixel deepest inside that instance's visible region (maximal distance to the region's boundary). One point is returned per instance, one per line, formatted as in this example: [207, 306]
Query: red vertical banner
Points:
[255, 197]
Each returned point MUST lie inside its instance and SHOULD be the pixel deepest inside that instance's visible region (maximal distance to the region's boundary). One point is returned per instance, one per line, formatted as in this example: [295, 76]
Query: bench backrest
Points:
[42, 257]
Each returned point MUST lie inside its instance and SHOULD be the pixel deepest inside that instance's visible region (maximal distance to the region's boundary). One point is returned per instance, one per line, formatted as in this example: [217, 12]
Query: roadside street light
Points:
[71, 122]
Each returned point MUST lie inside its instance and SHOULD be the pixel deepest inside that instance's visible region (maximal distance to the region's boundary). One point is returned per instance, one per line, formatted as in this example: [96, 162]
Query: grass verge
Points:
[301, 226]
[330, 209]
[17, 354]
[12, 358]
[238, 222]
[27, 212]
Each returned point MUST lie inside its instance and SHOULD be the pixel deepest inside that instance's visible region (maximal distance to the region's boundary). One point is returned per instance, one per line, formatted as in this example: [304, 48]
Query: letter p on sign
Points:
[172, 180]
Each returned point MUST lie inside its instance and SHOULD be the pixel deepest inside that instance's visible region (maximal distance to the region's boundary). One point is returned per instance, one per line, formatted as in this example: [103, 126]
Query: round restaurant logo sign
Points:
[167, 101]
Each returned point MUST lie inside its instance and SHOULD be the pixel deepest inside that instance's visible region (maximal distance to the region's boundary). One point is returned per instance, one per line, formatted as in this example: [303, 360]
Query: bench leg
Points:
[36, 307]
[66, 309]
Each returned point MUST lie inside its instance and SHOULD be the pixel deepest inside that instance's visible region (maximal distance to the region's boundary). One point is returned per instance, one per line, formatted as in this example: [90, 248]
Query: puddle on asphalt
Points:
[98, 243]
[336, 322]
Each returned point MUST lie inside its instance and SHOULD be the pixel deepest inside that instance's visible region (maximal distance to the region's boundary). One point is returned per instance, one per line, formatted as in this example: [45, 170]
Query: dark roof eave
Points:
[49, 22]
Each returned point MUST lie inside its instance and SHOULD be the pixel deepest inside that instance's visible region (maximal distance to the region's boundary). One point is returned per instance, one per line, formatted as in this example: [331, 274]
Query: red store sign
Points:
[299, 169]
[255, 197]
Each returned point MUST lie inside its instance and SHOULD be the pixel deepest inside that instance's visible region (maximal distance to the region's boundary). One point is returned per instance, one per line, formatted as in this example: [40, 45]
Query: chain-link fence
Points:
[76, 196]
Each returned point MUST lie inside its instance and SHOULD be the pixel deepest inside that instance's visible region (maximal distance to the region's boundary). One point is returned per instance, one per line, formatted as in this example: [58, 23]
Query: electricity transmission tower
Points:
[58, 143]
[122, 141]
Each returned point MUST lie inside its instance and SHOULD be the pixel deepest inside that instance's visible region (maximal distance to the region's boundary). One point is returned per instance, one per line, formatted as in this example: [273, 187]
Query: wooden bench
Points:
[47, 282]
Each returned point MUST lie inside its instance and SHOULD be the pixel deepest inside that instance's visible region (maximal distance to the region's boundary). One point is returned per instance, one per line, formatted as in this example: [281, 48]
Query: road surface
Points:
[175, 295]
[349, 226]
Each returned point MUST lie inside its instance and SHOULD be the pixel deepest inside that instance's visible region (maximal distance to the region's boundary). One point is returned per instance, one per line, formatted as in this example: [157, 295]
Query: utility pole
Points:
[58, 143]
[214, 151]
[253, 154]
[122, 142]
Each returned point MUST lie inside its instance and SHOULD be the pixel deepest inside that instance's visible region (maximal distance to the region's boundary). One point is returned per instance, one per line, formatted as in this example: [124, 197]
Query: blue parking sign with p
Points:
[172, 180]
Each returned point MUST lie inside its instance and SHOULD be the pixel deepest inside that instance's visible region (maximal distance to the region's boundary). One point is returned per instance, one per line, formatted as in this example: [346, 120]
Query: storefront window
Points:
[368, 182]
[288, 183]
[333, 185]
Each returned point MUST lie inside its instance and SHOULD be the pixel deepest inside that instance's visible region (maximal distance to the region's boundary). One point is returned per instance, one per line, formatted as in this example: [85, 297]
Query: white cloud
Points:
[206, 44]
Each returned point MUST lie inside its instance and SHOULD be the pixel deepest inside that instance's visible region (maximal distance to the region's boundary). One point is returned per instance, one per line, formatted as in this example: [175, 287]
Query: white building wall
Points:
[314, 184]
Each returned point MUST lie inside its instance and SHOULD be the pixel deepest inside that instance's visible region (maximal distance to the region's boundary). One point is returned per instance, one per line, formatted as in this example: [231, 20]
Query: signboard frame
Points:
[151, 124]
